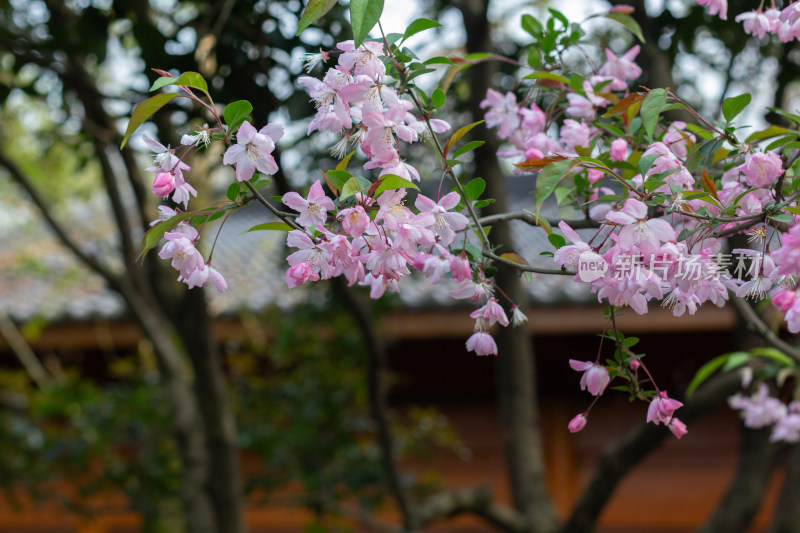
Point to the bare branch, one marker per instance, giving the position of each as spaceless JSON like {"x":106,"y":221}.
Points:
{"x":755,"y":322}
{"x":90,"y":261}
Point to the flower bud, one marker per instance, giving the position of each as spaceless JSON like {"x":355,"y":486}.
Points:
{"x":164,"y":184}
{"x":577,"y":423}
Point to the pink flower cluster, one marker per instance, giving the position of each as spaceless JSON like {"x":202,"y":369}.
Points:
{"x":379,"y":251}
{"x":762,"y":410}
{"x":252,"y":151}
{"x":785,"y":23}
{"x":353,"y":100}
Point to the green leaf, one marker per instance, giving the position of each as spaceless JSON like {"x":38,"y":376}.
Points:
{"x":233,"y":191}
{"x":188,"y":79}
{"x":644,"y":163}
{"x":734,"y":105}
{"x":705,"y":371}
{"x":390,"y":182}
{"x":736,"y":360}
{"x":548,"y":179}
{"x":144,"y":111}
{"x":468,"y":148}
{"x":775,"y":355}
{"x":338,"y":178}
{"x":771,"y":131}
{"x":237,"y":112}
{"x":557,"y":240}
{"x":541,"y":221}
{"x":547,"y":76}
{"x":162,"y":81}
{"x":460,"y":132}
{"x":629,"y":23}
{"x":350,"y":188}
{"x":474,"y":188}
{"x":273,"y":226}
{"x":782,"y":217}
{"x":531,"y":25}
{"x":418,"y":26}
{"x":315,"y":10}
{"x":364,"y":14}
{"x":342,"y":165}
{"x":154,"y":234}
{"x":438,"y":98}
{"x":651,"y":107}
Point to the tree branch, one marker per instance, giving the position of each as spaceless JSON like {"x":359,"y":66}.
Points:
{"x":90,"y":261}
{"x":757,"y":460}
{"x":631,"y":448}
{"x":755,"y":322}
{"x":377,"y":402}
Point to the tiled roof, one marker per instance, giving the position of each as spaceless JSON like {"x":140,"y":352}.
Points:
{"x":39,"y":278}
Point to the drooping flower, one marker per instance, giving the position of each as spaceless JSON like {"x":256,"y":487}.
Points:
{"x":661,"y":409}
{"x":677,"y":428}
{"x":482,"y":344}
{"x":577,"y":423}
{"x":715,"y":7}
{"x":595,"y":377}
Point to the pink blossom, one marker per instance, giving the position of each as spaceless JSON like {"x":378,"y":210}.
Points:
{"x":490,"y":314}
{"x":618,"y":149}
{"x":577,"y":423}
{"x":595,"y":377}
{"x":756,"y":23}
{"x":459,"y":267}
{"x":299,"y":274}
{"x":784,"y":300}
{"x":253,"y":150}
{"x":164,"y":184}
{"x":677,"y":428}
{"x":180,"y":247}
{"x":716,"y":7}
{"x":787,"y":428}
{"x":638,"y":230}
{"x":574,"y":134}
{"x":446,"y":223}
{"x":482,"y":344}
{"x":787,"y":257}
{"x":364,"y":61}
{"x":620,"y":69}
{"x":314,"y":209}
{"x":333,"y":112}
{"x":354,"y":220}
{"x":661,"y":409}
{"x":207,"y":275}
{"x":760,"y":409}
{"x":762,"y":169}
{"x":677,"y":139}
{"x":502,"y":112}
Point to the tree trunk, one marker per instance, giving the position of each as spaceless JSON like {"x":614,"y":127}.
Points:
{"x":516,"y":379}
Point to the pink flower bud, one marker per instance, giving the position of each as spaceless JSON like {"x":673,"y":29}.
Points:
{"x":635,"y":364}
{"x":784,"y":300}
{"x":577,"y":423}
{"x":618,"y":149}
{"x":164,"y":184}
{"x":299,"y":274}
{"x":677,"y":428}
{"x":459,"y":266}
{"x":595,"y":175}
